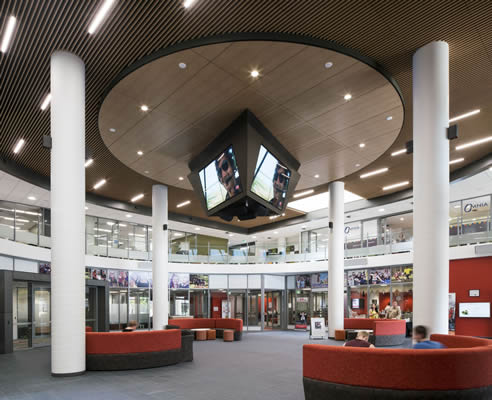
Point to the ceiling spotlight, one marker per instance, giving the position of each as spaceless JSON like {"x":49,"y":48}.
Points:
{"x":128,"y":215}
{"x":398,"y":152}
{"x":140,"y":153}
{"x":100,"y":16}
{"x":306,"y":192}
{"x":137,"y":197}
{"x":99,"y":184}
{"x":362,"y":145}
{"x":146,"y":172}
{"x":389,"y":118}
{"x":112,"y":130}
{"x":357,"y":165}
{"x":8,"y":33}
{"x":231,"y":234}
{"x":182,"y":65}
{"x":468,"y":114}
{"x":180,"y":178}
{"x":304,"y":227}
{"x":316,"y":176}
{"x":402,"y":219}
{"x":328,"y":64}
{"x":376,"y":172}
{"x":381,"y":210}
{"x":188,"y":3}
{"x":19,"y":145}
{"x":458,"y":160}
{"x":474,"y":143}
{"x":347,"y":97}
{"x":144,"y":107}
{"x":197,"y":228}
{"x":184,"y":203}
{"x":46,"y":102}
{"x":86,"y":208}
{"x":32,"y":198}
{"x":255,"y":73}
{"x":88,"y":162}
{"x":253,"y":237}
{"x":283,"y":214}
{"x":275,"y":232}
{"x":396,"y":185}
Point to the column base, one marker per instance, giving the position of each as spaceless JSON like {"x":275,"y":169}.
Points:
{"x":67,"y":375}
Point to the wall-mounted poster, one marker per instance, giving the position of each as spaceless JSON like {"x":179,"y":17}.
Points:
{"x":303,"y":281}
{"x":379,"y":276}
{"x":319,"y":280}
{"x":117,"y":278}
{"x":98,"y":274}
{"x":402,"y":274}
{"x":45,"y":268}
{"x":179,"y":281}
{"x":140,"y":279}
{"x":198,"y":281}
{"x":452,"y":311}
{"x":87,"y":273}
{"x":357,"y":277}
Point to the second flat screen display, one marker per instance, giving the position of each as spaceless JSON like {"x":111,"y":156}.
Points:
{"x":271,"y":179}
{"x":220,"y":179}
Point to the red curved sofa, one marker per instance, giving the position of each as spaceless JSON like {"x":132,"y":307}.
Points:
{"x":462,"y":371}
{"x":219,"y":324}
{"x":387,"y":332}
{"x":135,"y":350}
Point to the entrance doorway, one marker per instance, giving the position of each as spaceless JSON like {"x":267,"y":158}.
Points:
{"x":139,"y":308}
{"x":273,"y":310}
{"x":118,"y":309}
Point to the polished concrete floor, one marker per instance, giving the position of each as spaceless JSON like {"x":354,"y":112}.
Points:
{"x":264,"y":365}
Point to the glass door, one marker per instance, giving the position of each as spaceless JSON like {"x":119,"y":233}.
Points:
{"x":237,"y":299}
{"x":199,"y":303}
{"x":22,"y":310}
{"x":118,"y":309}
{"x":41,"y":316}
{"x":139,"y":308}
{"x":272,"y":309}
{"x":254,"y":310}
{"x":91,"y":307}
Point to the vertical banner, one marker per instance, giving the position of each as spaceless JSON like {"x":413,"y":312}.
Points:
{"x":452,"y":312}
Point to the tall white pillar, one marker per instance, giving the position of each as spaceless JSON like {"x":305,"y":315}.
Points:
{"x":431,"y":186}
{"x":67,"y":214}
{"x":335,"y":258}
{"x":160,"y":244}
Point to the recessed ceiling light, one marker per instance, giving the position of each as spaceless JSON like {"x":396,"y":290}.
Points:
{"x":128,"y":215}
{"x":188,"y":3}
{"x":231,"y":234}
{"x":140,"y":153}
{"x":402,"y":219}
{"x":184,"y":203}
{"x":468,"y":114}
{"x":112,"y":130}
{"x":376,"y":172}
{"x":275,"y":232}
{"x":305,"y":193}
{"x":99,"y":184}
{"x":381,"y":210}
{"x":86,"y":208}
{"x":88,"y":162}
{"x":348,"y":96}
{"x":146,"y":172}
{"x":389,"y":118}
{"x":474,"y":143}
{"x":316,"y":176}
{"x":362,"y":145}
{"x":197,"y":228}
{"x":357,"y":165}
{"x":19,"y":145}
{"x":100,"y":16}
{"x":398,"y":152}
{"x":304,"y":227}
{"x":328,"y":64}
{"x":180,"y":178}
{"x":32,"y":198}
{"x":46,"y":102}
{"x":396,"y":185}
{"x":254,"y":73}
{"x":283,"y":214}
{"x":8,"y":33}
{"x":458,"y":160}
{"x":182,"y":65}
{"x":144,"y":107}
{"x":137,"y":197}
{"x":253,"y":237}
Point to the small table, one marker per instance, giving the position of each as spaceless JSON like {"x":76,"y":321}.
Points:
{"x":200,"y":333}
{"x":228,"y":335}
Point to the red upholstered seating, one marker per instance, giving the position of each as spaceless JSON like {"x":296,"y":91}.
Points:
{"x":466,"y":364}
{"x":211,"y":323}
{"x":387,"y":332}
{"x":132,"y":342}
{"x":88,"y":329}
{"x":236,"y":324}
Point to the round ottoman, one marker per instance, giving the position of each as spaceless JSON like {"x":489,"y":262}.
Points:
{"x":228,"y":335}
{"x":201,"y":335}
{"x":211,"y":335}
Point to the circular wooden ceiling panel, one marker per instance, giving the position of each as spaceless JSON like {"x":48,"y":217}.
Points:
{"x":299,"y":95}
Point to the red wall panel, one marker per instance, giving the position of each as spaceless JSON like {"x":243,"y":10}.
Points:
{"x":472,"y":273}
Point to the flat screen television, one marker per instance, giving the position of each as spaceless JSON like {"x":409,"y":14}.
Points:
{"x":355,"y":303}
{"x":220,"y":179}
{"x":271,"y":179}
{"x":474,"y":310}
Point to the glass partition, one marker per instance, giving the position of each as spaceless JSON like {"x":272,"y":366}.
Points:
{"x":7,"y":218}
{"x":27,"y":224}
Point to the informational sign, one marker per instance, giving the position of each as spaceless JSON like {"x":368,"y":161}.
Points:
{"x":226,"y":309}
{"x":475,"y":310}
{"x":318,"y":329}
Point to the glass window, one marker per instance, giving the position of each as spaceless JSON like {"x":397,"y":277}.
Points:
{"x":199,"y":303}
{"x":254,"y":310}
{"x":7,"y":216}
{"x":370,"y":233}
{"x":180,"y":303}
{"x":353,"y":235}
{"x":475,"y":220}
{"x":27,"y":224}
{"x":402,"y":293}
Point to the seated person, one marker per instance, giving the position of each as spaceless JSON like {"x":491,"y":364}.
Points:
{"x":362,"y":340}
{"x":373,"y":314}
{"x":420,"y":335}
{"x":132,"y":327}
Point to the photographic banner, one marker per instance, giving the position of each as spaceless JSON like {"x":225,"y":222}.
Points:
{"x":318,"y":329}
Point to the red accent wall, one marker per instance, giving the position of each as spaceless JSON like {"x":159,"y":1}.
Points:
{"x":216,"y":301}
{"x":472,"y":273}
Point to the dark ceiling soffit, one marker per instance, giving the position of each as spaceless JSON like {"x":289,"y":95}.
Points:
{"x":252,"y":36}
{"x":456,"y":176}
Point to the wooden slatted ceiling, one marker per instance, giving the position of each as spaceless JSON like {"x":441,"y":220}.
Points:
{"x":389,"y":32}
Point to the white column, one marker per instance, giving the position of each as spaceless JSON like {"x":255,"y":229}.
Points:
{"x":431,"y":186}
{"x":335,"y":258}
{"x":67,"y":214}
{"x":160,"y":237}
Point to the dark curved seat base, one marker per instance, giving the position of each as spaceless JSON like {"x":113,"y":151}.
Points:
{"x":321,"y":390}
{"x":389,"y":340}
